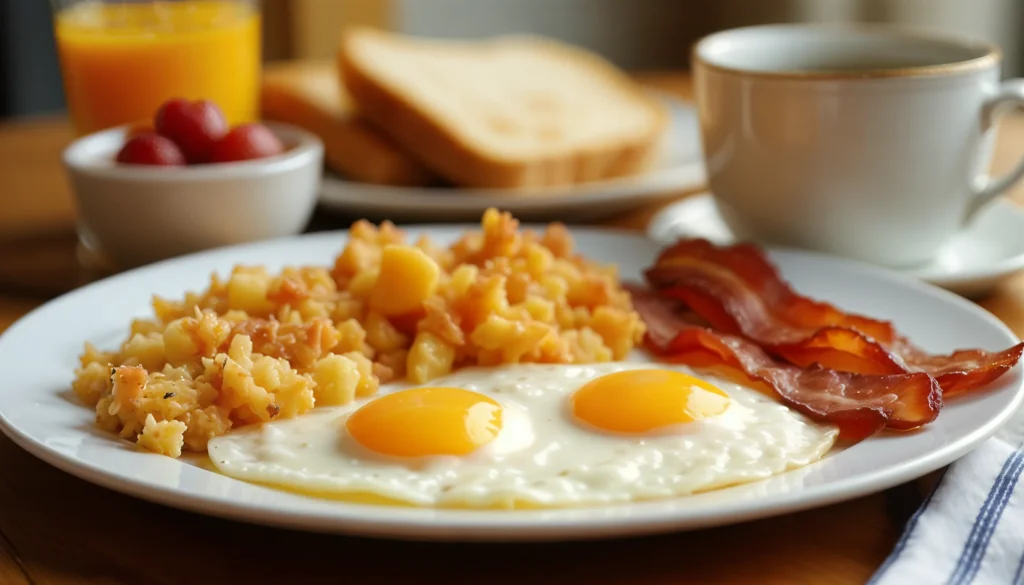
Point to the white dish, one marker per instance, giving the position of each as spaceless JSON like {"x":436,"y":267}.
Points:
{"x":678,"y":168}
{"x":989,"y":250}
{"x":136,"y":214}
{"x":40,"y":413}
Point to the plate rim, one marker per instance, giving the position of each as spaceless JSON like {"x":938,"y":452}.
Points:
{"x":653,"y":185}
{"x":588,"y":523}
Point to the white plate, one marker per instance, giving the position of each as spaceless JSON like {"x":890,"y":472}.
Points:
{"x":989,"y":249}
{"x":39,"y":412}
{"x":678,"y":168}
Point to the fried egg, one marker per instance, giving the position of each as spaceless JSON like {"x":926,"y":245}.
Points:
{"x":531,"y":436}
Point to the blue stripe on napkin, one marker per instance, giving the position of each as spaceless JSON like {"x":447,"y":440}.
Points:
{"x":911,"y":524}
{"x":1018,"y":577}
{"x":987,"y":520}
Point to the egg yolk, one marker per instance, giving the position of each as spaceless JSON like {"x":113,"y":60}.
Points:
{"x":636,"y":401}
{"x":426,"y":421}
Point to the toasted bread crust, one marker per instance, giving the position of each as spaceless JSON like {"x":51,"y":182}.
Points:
{"x":461,"y":162}
{"x":352,"y":147}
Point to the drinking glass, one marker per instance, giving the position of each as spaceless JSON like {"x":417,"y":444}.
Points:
{"x":121,"y":59}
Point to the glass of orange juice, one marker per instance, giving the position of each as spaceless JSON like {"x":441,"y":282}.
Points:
{"x":121,"y":59}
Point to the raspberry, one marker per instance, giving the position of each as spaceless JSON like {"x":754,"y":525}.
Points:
{"x":149,"y":148}
{"x":194,"y":126}
{"x":246,"y":142}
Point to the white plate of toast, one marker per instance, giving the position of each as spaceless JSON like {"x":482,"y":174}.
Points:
{"x":424,"y":129}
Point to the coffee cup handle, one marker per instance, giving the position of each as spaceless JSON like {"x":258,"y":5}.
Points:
{"x":1008,"y":93}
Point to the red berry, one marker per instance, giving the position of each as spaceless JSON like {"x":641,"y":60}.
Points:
{"x":246,"y":142}
{"x":149,"y":148}
{"x":194,"y":126}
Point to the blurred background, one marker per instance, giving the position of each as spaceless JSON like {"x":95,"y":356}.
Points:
{"x":638,"y":35}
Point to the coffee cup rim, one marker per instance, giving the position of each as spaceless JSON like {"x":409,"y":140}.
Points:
{"x":990,"y":54}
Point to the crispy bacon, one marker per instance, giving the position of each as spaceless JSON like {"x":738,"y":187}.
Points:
{"x":738,"y":291}
{"x":859,"y":405}
{"x":747,"y":262}
{"x":964,"y":369}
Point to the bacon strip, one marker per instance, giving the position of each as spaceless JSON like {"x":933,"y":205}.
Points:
{"x":859,"y":405}
{"x":965,"y":369}
{"x":747,"y":262}
{"x":738,"y":291}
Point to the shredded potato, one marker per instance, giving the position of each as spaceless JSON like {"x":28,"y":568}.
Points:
{"x":255,"y":346}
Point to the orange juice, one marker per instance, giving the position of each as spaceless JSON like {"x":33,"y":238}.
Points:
{"x":120,"y":61}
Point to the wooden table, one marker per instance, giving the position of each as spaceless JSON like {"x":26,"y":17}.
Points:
{"x":55,"y":529}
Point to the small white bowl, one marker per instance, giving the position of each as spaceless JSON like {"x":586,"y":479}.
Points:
{"x":135,"y":214}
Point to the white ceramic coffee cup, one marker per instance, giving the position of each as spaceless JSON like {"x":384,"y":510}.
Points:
{"x":861,"y":140}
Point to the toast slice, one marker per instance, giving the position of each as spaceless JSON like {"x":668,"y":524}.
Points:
{"x":511,"y":112}
{"x":308,"y":94}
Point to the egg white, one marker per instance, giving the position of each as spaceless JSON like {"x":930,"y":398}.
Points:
{"x":542,"y":456}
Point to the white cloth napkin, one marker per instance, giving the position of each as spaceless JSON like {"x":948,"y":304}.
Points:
{"x":970,"y":530}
